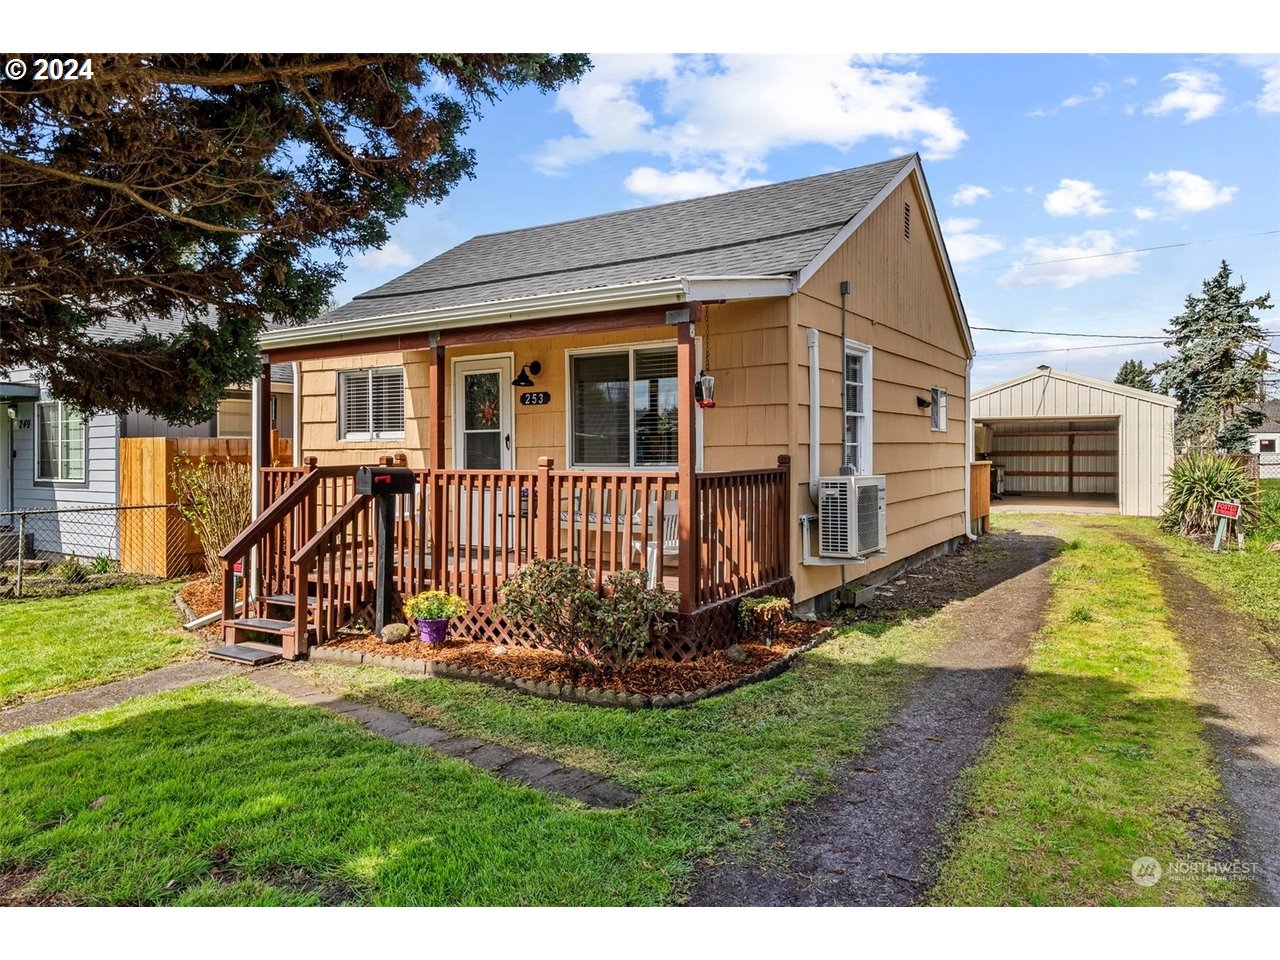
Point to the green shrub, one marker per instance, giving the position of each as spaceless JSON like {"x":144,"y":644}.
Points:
{"x":71,"y":570}
{"x":557,"y":601}
{"x":1196,"y":481}
{"x":760,"y":617}
{"x":103,"y":565}
{"x":1266,"y":528}
{"x":214,"y":497}
{"x":434,"y":605}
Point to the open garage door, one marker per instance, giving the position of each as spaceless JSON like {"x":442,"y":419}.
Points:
{"x":1048,"y":463}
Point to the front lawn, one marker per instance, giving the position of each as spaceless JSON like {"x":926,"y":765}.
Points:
{"x":1100,"y":760}
{"x":225,"y":794}
{"x":65,"y":643}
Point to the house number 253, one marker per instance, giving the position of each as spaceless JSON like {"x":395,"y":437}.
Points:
{"x":535,"y":399}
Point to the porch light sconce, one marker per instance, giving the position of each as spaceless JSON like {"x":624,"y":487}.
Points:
{"x":524,"y":379}
{"x":923,"y":404}
{"x":704,"y":390}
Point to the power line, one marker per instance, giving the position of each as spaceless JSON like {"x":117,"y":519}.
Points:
{"x":1063,"y":333}
{"x":1121,"y":253}
{"x":1095,"y":346}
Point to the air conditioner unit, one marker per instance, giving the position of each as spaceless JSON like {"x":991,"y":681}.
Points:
{"x":850,"y":517}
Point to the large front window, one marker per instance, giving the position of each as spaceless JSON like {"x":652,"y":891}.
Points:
{"x":623,"y":408}
{"x":60,"y":442}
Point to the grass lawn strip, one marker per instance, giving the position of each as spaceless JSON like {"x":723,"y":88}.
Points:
{"x":706,"y":774}
{"x":1099,"y":761}
{"x":66,"y":643}
{"x":228,"y":794}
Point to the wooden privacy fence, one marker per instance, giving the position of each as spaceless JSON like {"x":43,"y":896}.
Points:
{"x":146,"y":467}
{"x":980,"y":495}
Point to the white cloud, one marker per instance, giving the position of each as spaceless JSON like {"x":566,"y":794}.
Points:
{"x":963,"y":244}
{"x":1097,"y":92}
{"x":1144,"y":213}
{"x":1075,"y":197}
{"x":392,"y":255}
{"x":1189,"y":192}
{"x":720,"y":117}
{"x":658,"y":187}
{"x":1268,"y":67}
{"x":968,"y":195}
{"x":1093,"y":255}
{"x":1197,"y":93}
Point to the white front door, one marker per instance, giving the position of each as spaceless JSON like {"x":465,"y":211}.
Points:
{"x":483,"y":440}
{"x":482,"y":415}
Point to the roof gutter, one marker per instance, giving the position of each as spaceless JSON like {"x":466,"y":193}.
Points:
{"x":649,"y":293}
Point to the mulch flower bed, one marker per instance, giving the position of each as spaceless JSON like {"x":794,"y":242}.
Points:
{"x":204,"y":595}
{"x":549,"y":673}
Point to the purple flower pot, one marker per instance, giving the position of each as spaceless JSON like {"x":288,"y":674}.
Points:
{"x":433,"y":631}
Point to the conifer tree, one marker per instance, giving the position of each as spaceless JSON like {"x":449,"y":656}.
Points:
{"x":1136,"y":374}
{"x":1218,"y":364}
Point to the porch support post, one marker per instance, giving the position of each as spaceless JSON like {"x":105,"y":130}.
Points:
{"x":262,"y":428}
{"x":686,"y":459}
{"x":435,"y":462}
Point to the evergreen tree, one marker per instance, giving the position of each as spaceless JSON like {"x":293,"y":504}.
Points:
{"x":224,"y":190}
{"x":1135,"y":373}
{"x":1219,"y":359}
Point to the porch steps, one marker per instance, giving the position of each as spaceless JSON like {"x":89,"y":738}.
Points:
{"x":285,"y":600}
{"x":243,"y":631}
{"x":248,"y":652}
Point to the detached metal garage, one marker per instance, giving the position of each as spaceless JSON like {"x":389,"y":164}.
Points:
{"x":1063,"y":440}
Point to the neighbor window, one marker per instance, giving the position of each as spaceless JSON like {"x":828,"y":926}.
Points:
{"x":60,"y":442}
{"x":857,"y":408}
{"x":938,"y":411}
{"x":371,"y":404}
{"x":623,"y":408}
{"x":1267,"y":446}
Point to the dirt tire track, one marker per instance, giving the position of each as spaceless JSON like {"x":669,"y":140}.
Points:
{"x":876,"y":839}
{"x":1241,"y":711}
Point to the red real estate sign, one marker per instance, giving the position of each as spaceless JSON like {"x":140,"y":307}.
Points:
{"x":1224,"y":508}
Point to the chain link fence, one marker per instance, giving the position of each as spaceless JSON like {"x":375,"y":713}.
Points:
{"x":47,"y":553}
{"x":1269,"y":466}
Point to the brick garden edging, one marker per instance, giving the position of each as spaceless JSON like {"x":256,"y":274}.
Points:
{"x":592,"y":696}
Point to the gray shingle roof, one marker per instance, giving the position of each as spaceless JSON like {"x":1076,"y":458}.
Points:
{"x":1270,"y":417}
{"x":772,"y":230}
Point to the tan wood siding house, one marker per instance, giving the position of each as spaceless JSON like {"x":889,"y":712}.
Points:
{"x":605,"y":324}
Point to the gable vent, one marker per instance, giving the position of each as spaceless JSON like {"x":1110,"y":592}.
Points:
{"x":906,"y":221}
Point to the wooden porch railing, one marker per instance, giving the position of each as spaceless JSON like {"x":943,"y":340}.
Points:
{"x":745,"y":533}
{"x":469,"y":531}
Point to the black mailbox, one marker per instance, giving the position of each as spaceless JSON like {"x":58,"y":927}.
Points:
{"x":384,"y":480}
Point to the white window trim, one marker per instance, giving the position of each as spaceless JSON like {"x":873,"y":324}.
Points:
{"x":342,"y":402}
{"x":505,"y":364}
{"x":865,"y":466}
{"x":630,"y":349}
{"x":84,"y":454}
{"x":938,"y":394}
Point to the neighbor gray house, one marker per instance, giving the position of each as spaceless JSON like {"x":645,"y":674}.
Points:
{"x":52,"y":457}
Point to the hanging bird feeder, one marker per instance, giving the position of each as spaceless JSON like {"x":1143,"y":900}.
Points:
{"x":704,"y":390}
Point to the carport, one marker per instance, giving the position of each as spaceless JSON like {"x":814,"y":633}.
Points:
{"x":1067,"y":443}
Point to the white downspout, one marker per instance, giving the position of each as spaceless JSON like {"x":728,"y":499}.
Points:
{"x":297,"y":414}
{"x":968,"y":450}
{"x":815,"y":415}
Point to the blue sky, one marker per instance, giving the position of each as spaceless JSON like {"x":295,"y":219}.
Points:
{"x":1029,"y":158}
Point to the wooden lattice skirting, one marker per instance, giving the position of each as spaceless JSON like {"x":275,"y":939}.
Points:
{"x":705,"y":630}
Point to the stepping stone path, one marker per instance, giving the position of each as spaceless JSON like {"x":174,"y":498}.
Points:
{"x":68,"y":705}
{"x":528,"y":769}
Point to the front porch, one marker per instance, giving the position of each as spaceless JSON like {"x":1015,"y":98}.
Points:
{"x":310,"y":565}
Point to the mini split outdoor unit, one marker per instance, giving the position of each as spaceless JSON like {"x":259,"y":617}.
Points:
{"x":850,"y":517}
